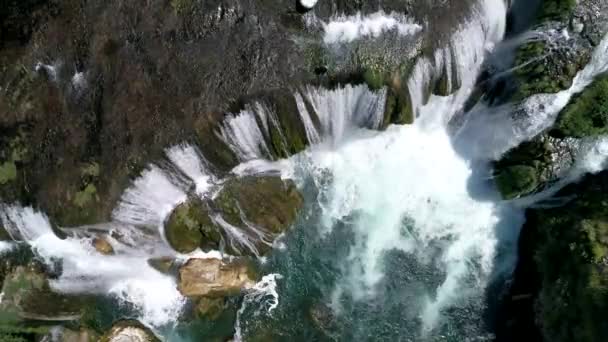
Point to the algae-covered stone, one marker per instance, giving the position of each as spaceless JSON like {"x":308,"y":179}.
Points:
{"x":129,"y":331}
{"x":266,"y":201}
{"x":215,"y":278}
{"x":190,"y":227}
{"x":517,"y":180}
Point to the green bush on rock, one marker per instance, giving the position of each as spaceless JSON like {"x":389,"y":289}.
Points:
{"x":587,"y":114}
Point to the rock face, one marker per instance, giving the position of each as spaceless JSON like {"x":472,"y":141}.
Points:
{"x":215,"y":278}
{"x":190,"y":227}
{"x":129,"y":331}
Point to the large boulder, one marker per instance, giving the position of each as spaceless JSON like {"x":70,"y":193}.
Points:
{"x":256,"y":208}
{"x":267,"y":201}
{"x":129,"y":331}
{"x":215,"y":278}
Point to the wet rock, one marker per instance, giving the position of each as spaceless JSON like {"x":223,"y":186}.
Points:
{"x":129,"y":331}
{"x":103,"y":246}
{"x":266,"y":201}
{"x":215,"y":278}
{"x":164,"y":265}
{"x":190,"y":227}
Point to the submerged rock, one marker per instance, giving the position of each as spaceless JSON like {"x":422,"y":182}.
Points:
{"x":215,"y":278}
{"x":129,"y":331}
{"x":210,"y":308}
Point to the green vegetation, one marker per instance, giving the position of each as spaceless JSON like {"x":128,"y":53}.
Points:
{"x":556,"y":9}
{"x":571,"y":257}
{"x":587,"y":114}
{"x":181,"y":6}
{"x":8,"y":172}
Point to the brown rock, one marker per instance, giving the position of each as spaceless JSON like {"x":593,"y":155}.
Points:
{"x":214,"y":278}
{"x":103,"y":246}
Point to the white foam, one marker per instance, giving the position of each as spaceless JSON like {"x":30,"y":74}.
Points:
{"x":264,"y":294}
{"x":491,"y":133}
{"x":190,"y":161}
{"x":150,"y":199}
{"x":342,"y":109}
{"x":244,"y":136}
{"x":125,"y":275}
{"x":308,"y":3}
{"x":346,"y":29}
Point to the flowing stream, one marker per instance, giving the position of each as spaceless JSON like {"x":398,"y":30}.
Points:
{"x":403,"y":235}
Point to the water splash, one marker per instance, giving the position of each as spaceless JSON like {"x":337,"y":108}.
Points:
{"x":150,"y":199}
{"x":264,"y":295}
{"x":346,"y":29}
{"x":191,"y":162}
{"x":125,"y":275}
{"x":341,"y":110}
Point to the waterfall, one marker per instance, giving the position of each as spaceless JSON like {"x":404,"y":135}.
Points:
{"x":126,"y":275}
{"x":490,"y":132}
{"x":346,"y":29}
{"x":341,"y":110}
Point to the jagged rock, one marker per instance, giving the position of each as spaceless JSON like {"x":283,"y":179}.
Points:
{"x":103,"y":246}
{"x":215,"y":278}
{"x":324,"y":319}
{"x":129,"y":331}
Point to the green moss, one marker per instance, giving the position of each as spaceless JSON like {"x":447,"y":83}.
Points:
{"x":374,"y":78}
{"x":516,"y":180}
{"x":90,"y":170}
{"x":181,"y":6}
{"x":8,"y":172}
{"x":190,"y":227}
{"x":85,"y":197}
{"x":571,"y":259}
{"x":587,"y":114}
{"x":268,"y":202}
{"x":556,"y":9}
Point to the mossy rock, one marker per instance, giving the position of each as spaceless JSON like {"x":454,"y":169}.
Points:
{"x":266,"y":201}
{"x":542,"y":70}
{"x":27,"y":296}
{"x":210,"y":308}
{"x":190,"y":227}
{"x":517,"y":180}
{"x":587,"y":114}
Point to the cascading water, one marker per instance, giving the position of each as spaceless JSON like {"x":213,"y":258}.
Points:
{"x":402,"y":234}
